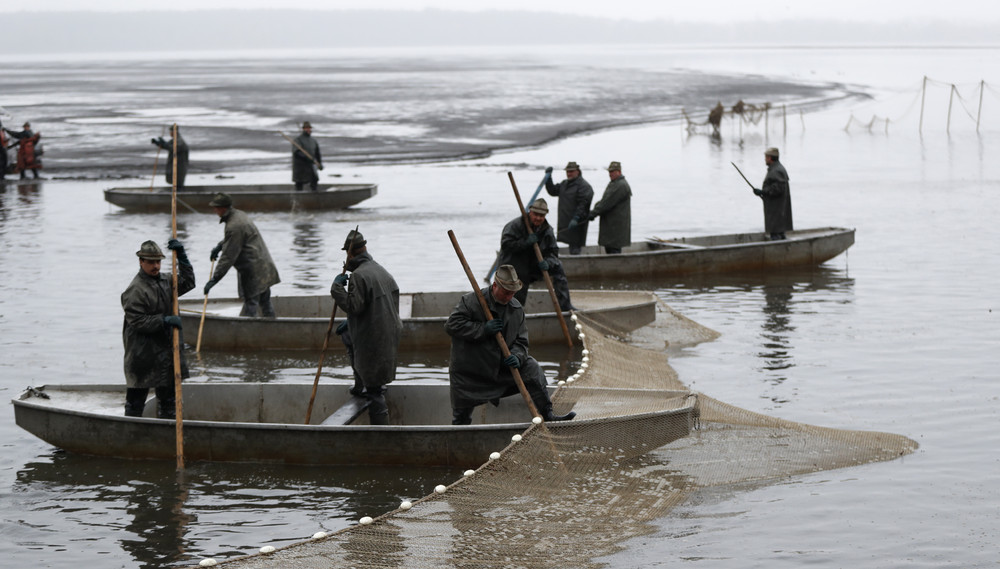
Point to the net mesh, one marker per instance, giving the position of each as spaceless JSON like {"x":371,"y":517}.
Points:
{"x":567,"y":495}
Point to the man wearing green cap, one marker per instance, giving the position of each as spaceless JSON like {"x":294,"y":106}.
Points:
{"x":242,"y":247}
{"x":575,"y":195}
{"x":517,"y":248}
{"x":777,"y":197}
{"x":147,"y":330}
{"x":370,"y":297}
{"x":615,"y":211}
{"x":479,"y":372}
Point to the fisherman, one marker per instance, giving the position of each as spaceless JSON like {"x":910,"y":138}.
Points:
{"x":776,"y":196}
{"x":3,"y":152}
{"x":615,"y":211}
{"x":243,"y":247}
{"x":715,"y":118}
{"x":575,"y":195}
{"x":517,"y":249}
{"x":306,"y":159}
{"x":182,"y":157}
{"x":29,"y":150}
{"x":148,"y":329}
{"x":370,"y":297}
{"x":479,"y":372}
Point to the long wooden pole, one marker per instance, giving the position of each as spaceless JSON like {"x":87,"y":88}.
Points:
{"x":178,"y":394}
{"x":538,"y":255}
{"x":489,"y":316}
{"x":302,"y":150}
{"x":204,"y":310}
{"x":538,"y":190}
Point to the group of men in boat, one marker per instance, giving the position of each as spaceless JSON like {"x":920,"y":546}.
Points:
{"x":480,"y":371}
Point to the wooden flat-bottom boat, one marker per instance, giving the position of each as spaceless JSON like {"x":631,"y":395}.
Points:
{"x":247,"y":197}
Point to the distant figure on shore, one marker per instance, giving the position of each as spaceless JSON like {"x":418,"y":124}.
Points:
{"x":182,"y":158}
{"x":243,"y":247}
{"x":478,"y":372}
{"x":370,"y":298}
{"x":306,"y":160}
{"x":715,"y":117}
{"x":575,"y":195}
{"x":776,"y":196}
{"x":29,"y":150}
{"x":615,"y":211}
{"x":148,"y":330}
{"x":517,"y":248}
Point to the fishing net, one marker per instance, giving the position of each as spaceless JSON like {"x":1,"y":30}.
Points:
{"x":568,"y":494}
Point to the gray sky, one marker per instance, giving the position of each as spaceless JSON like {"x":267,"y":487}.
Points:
{"x":872,"y":11}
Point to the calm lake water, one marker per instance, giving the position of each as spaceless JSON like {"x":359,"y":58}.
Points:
{"x":899,"y":335}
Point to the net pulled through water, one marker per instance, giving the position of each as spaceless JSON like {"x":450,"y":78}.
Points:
{"x":566,"y":494}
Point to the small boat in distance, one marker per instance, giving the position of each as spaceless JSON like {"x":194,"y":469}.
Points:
{"x":655,"y":257}
{"x":263,"y":422}
{"x":302,"y":321}
{"x":247,"y":197}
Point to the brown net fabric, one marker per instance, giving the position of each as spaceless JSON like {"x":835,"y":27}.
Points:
{"x":569,"y":493}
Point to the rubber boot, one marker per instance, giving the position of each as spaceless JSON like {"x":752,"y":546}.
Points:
{"x":461,"y":416}
{"x":378,"y":409}
{"x":548,"y":416}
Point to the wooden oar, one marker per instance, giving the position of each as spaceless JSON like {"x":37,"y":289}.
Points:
{"x":742,"y":176}
{"x":326,"y":342}
{"x":489,"y":316}
{"x":302,"y":150}
{"x":152,"y":181}
{"x":204,"y":310}
{"x":178,"y":394}
{"x":538,"y":255}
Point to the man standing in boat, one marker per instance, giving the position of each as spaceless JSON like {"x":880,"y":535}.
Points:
{"x":370,"y":297}
{"x":479,"y":372}
{"x":776,"y":196}
{"x":29,"y":150}
{"x":575,"y":195}
{"x":242,"y":247}
{"x":182,"y":158}
{"x":615,"y":211}
{"x":148,"y":329}
{"x":517,"y":249}
{"x":306,"y":159}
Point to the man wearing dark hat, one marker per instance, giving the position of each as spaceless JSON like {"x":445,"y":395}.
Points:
{"x":370,"y":298}
{"x":615,"y":211}
{"x":243,"y":247}
{"x":575,"y":195}
{"x":479,"y":372}
{"x":517,"y":249}
{"x":306,"y":159}
{"x":776,"y":196}
{"x":182,"y":157}
{"x":148,"y":329}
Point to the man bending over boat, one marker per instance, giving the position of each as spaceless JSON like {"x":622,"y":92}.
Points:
{"x":517,"y":248}
{"x":479,"y":372}
{"x":148,"y":330}
{"x":370,"y":297}
{"x":243,"y":247}
{"x":777,"y":197}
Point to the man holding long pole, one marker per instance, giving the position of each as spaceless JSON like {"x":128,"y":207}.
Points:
{"x":480,"y":371}
{"x":306,"y":159}
{"x":517,"y":248}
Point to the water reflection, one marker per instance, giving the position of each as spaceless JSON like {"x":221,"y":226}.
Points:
{"x":21,"y":198}
{"x":307,"y":250}
{"x":162,"y":519}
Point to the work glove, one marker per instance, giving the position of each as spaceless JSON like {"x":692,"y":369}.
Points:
{"x":592,"y":216}
{"x":758,"y":192}
{"x":215,"y":252}
{"x":543,"y":265}
{"x":531,"y":239}
{"x":512,"y":361}
{"x":342,"y":327}
{"x":209,"y":285}
{"x":573,"y":222}
{"x":320,"y":166}
{"x":494,"y":326}
{"x":175,"y":245}
{"x":548,"y":170}
{"x":172,"y":320}
{"x":153,"y":140}
{"x":342,"y":279}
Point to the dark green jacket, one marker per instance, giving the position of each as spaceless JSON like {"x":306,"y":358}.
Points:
{"x":303,"y":168}
{"x":777,"y":198}
{"x":575,"y":196}
{"x":516,"y":251}
{"x":244,"y":248}
{"x":615,"y":211}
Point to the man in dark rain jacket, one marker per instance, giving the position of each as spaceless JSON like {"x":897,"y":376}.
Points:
{"x":370,"y":298}
{"x":182,"y":158}
{"x":306,"y":159}
{"x":517,"y":249}
{"x":148,"y":330}
{"x":776,"y":196}
{"x":575,"y":195}
{"x":243,"y":247}
{"x":479,"y":372}
{"x":615,"y":211}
